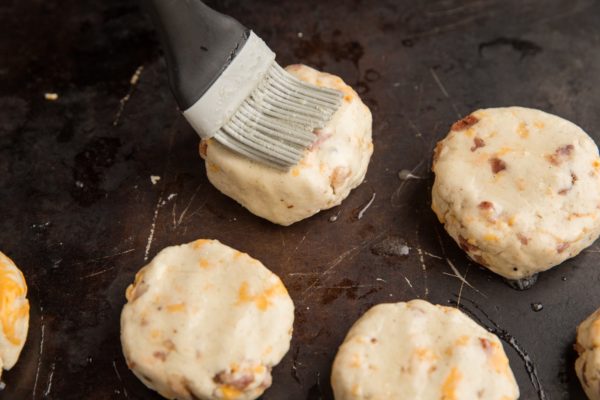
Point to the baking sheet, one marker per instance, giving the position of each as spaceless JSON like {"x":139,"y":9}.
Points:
{"x":80,"y":214}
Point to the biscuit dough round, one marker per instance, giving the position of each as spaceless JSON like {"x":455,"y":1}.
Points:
{"x":587,"y":365}
{"x":204,"y":321}
{"x":420,"y":351}
{"x":14,"y":313}
{"x":518,"y":189}
{"x":336,"y":163}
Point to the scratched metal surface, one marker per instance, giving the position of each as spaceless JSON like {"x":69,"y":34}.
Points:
{"x":79,"y":213}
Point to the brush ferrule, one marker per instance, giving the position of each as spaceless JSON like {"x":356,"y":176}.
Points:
{"x":220,"y":102}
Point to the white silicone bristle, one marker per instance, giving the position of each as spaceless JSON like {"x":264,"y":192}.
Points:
{"x":275,"y":124}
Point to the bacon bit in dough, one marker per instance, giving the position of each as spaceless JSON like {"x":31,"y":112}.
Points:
{"x":160,"y":355}
{"x":497,"y":165}
{"x":522,"y":130}
{"x":496,"y":358}
{"x":213,"y":167}
{"x":523,"y":239}
{"x":203,"y":148}
{"x":479,"y":259}
{"x":466,"y":245}
{"x":233,"y":381}
{"x":322,"y":135}
{"x":450,"y":384}
{"x":561,"y":154}
{"x":562,"y":247}
{"x":464,"y":123}
{"x":486,"y":205}
{"x":477,"y":143}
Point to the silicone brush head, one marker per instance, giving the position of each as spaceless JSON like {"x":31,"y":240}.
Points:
{"x":275,"y":124}
{"x":227,"y":83}
{"x":259,"y":110}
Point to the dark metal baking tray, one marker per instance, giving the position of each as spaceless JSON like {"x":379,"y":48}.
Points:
{"x":79,"y":212}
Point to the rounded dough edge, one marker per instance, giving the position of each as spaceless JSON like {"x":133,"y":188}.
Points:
{"x":321,"y":180}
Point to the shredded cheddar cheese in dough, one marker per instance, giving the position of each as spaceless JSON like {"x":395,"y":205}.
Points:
{"x":230,"y":393}
{"x":262,"y":300}
{"x":12,"y":287}
{"x":450,"y":384}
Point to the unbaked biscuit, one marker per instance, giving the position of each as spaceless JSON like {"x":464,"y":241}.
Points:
{"x":587,"y":365}
{"x":204,"y":321}
{"x":518,"y":189}
{"x":334,"y":165}
{"x":14,"y":313}
{"x":420,"y":351}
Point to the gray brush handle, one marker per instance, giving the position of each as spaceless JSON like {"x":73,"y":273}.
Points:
{"x":199,"y":44}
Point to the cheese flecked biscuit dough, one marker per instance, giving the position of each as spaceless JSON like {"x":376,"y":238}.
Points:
{"x":419,"y":351}
{"x":518,"y":189}
{"x":335,"y":164}
{"x":587,"y":365}
{"x":14,"y":313}
{"x":205,"y":321}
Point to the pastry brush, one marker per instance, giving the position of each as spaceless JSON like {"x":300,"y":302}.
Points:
{"x":226,"y":81}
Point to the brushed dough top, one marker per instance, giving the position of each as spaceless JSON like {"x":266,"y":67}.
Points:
{"x":420,"y":351}
{"x":206,"y":321}
{"x":587,"y":365}
{"x":14,"y":312}
{"x":336,"y":163}
{"x":518,"y":189}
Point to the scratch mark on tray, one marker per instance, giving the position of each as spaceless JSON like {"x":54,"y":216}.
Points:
{"x":348,"y":254}
{"x":93,"y":274}
{"x":445,"y":28}
{"x":347,"y":286}
{"x":293,"y":252}
{"x":460,"y":9}
{"x":511,"y":341}
{"x":437,"y":80}
{"x":114,"y":363}
{"x":93,"y":260}
{"x":133,"y":81}
{"x":50,"y":378}
{"x":361,"y":213}
{"x":462,"y":278}
{"x":572,"y":11}
{"x":396,"y":196}
{"x":432,"y":255}
{"x":424,"y":269}
{"x":185,"y":210}
{"x":152,"y":227}
{"x":41,"y":352}
{"x":172,"y":131}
